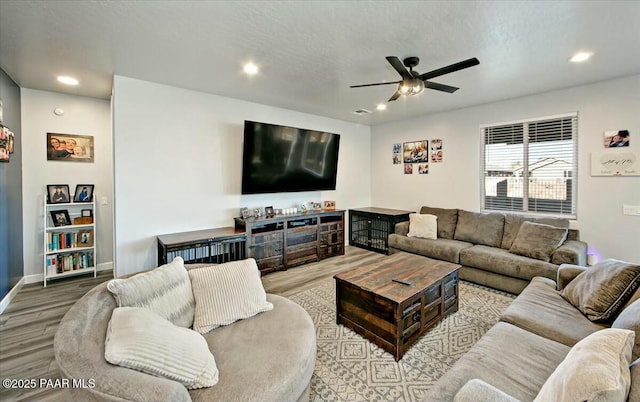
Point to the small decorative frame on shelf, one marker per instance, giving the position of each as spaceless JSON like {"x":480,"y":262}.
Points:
{"x":83,"y":193}
{"x":268,"y":211}
{"x":60,"y":217}
{"x":85,"y":238}
{"x":57,"y":193}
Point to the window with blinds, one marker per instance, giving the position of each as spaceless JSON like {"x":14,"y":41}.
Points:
{"x":530,"y":166}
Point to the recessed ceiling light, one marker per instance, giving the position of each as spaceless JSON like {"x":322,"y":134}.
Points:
{"x":580,"y":57}
{"x":381,"y":106}
{"x":67,"y":80}
{"x":250,"y":68}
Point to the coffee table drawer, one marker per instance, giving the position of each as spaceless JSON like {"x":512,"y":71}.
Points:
{"x":432,"y":294}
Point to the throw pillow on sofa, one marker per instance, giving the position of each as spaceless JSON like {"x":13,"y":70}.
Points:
{"x":227,"y":293}
{"x":139,"y":339}
{"x":424,"y":226}
{"x":477,"y":228}
{"x":602,"y":290}
{"x":595,"y":369}
{"x":629,"y":318}
{"x":538,"y":241}
{"x":165,"y":290}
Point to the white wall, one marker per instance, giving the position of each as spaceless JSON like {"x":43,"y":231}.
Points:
{"x":85,"y":116}
{"x":178,"y":162}
{"x":455,"y":183}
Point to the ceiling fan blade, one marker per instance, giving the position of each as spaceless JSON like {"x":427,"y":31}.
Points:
{"x":399,"y":67}
{"x":371,"y":85}
{"x":394,"y":96}
{"x":449,"y":69}
{"x":440,"y":87}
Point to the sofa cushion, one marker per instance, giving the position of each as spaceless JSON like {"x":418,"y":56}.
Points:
{"x":538,"y":241}
{"x":479,"y":391}
{"x":424,"y":226}
{"x":540,"y":309}
{"x":512,"y":223}
{"x":602,"y":290}
{"x":480,"y":228}
{"x":595,"y":369}
{"x":634,"y":392}
{"x":226,"y":293}
{"x":165,"y":290}
{"x":280,"y":342}
{"x":629,"y":319}
{"x":515,"y":361}
{"x":447,"y":220}
{"x":441,"y":249}
{"x":139,"y":339}
{"x":503,"y":262}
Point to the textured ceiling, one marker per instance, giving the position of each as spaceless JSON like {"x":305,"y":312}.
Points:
{"x":310,"y":52}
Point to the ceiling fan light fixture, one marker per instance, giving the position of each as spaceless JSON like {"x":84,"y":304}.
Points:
{"x":411,"y":87}
{"x":381,"y":106}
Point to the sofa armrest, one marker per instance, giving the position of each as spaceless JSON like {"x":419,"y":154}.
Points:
{"x":479,"y":391}
{"x":402,"y":228}
{"x":566,"y":273}
{"x":571,"y":252}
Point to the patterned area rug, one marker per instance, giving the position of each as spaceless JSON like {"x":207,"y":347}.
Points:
{"x":350,"y":368}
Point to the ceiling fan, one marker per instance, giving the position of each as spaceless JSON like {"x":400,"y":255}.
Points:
{"x":413,"y":82}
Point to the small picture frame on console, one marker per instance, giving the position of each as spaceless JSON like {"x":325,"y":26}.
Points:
{"x":244,"y":212}
{"x":330,"y":205}
{"x":268,"y":211}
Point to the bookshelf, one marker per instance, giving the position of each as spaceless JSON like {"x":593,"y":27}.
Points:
{"x":69,"y":242}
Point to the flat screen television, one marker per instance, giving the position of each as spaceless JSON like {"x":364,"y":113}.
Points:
{"x":279,"y":159}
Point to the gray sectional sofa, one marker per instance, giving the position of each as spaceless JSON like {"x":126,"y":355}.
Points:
{"x":512,"y":361}
{"x":480,"y":242}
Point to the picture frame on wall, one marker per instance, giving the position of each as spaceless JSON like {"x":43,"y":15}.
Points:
{"x":83,"y":193}
{"x":57,"y":193}
{"x":60,"y":217}
{"x":70,"y":147}
{"x":415,"y":151}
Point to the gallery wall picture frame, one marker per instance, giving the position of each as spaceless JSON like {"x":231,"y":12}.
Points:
{"x":58,"y":194}
{"x":617,"y":138}
{"x":70,"y":148}
{"x":415,"y":151}
{"x":60,"y":217}
{"x":615,"y":163}
{"x":83,"y":193}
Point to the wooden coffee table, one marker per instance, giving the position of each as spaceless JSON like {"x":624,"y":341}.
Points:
{"x":391,"y":314}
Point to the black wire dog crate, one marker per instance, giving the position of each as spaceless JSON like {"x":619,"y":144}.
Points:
{"x":370,"y":227}
{"x":203,"y":246}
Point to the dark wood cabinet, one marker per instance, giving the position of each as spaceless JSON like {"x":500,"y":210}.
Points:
{"x":202,"y":246}
{"x":285,"y":241}
{"x":370,"y":227}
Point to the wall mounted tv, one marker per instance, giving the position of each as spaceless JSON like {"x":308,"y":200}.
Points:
{"x":287,"y":159}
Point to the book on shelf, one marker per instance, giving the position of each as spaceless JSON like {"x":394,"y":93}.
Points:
{"x":60,"y":263}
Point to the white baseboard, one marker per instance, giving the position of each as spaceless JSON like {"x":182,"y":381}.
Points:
{"x":12,"y":293}
{"x":105,"y":266}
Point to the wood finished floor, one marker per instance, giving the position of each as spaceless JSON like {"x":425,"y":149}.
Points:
{"x":29,"y":323}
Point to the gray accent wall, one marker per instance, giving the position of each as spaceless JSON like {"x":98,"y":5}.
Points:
{"x":11,"y":259}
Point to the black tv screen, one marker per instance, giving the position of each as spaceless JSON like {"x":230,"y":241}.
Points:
{"x":287,"y":159}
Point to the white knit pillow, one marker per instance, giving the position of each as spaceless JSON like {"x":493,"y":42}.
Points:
{"x":226,"y":293}
{"x":595,"y":369}
{"x":424,"y":226}
{"x":165,"y":290}
{"x":139,"y":339}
